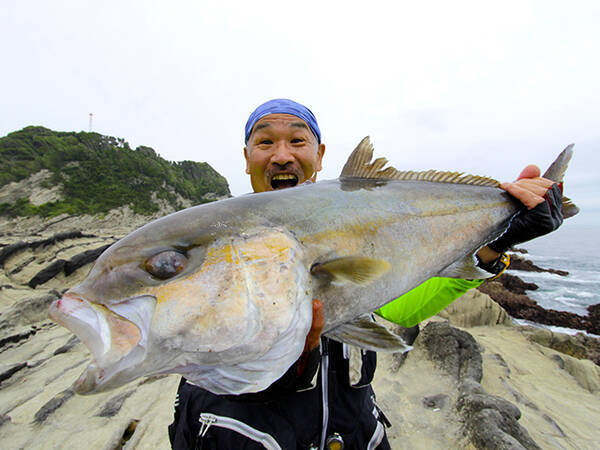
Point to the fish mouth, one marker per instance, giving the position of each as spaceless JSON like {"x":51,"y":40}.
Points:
{"x":284,"y":180}
{"x":116,"y":335}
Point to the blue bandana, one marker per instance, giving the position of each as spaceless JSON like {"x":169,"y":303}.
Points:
{"x":283,"y":106}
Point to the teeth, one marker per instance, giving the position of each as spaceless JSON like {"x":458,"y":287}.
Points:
{"x":285,"y":176}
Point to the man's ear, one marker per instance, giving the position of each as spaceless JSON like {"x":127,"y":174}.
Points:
{"x":246,"y":156}
{"x":320,"y":153}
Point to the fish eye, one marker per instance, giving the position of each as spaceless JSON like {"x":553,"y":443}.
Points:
{"x":166,"y":264}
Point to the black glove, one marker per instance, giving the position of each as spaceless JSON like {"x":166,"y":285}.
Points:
{"x":528,"y":224}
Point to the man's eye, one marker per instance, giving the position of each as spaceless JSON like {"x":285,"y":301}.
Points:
{"x":266,"y":141}
{"x":166,"y":264}
{"x":297,"y":141}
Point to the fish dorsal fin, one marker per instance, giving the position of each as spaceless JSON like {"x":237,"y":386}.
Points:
{"x":365,"y":333}
{"x":358,"y":270}
{"x":359,"y":165}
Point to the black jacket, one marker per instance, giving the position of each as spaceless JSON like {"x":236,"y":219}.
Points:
{"x":288,"y":415}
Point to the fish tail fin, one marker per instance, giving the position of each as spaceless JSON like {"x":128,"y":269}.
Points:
{"x":556,"y":172}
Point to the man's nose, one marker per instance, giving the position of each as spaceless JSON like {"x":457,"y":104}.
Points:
{"x":282,"y":154}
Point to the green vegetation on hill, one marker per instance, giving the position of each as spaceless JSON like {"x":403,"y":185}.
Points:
{"x":98,"y":173}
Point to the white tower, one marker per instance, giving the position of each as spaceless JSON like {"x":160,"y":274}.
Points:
{"x":90,"y":127}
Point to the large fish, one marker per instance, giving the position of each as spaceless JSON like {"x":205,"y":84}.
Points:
{"x":222,"y":292}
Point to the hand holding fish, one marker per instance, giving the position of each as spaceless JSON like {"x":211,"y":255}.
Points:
{"x":542,"y":198}
{"x":530,"y":188}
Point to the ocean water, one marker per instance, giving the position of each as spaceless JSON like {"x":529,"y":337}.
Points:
{"x":576,"y":249}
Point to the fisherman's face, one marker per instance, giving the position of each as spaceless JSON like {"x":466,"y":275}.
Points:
{"x":282,"y":152}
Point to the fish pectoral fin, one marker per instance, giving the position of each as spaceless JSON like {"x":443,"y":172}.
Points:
{"x":358,"y":270}
{"x":466,"y":269}
{"x":364,"y":332}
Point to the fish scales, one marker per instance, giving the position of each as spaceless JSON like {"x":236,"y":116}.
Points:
{"x":222,"y":292}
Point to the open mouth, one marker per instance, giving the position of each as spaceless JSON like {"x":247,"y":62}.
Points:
{"x":284,"y":180}
{"x":117,"y":337}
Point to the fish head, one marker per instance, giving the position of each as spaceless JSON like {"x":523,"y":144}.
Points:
{"x":214,"y":309}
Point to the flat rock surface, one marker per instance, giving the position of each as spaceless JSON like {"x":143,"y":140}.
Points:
{"x":556,"y":394}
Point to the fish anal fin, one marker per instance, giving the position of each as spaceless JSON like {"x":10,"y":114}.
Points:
{"x":358,"y":270}
{"x":365,"y":333}
{"x":464,"y":268}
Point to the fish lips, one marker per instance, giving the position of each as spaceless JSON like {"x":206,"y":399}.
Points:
{"x":117,"y":336}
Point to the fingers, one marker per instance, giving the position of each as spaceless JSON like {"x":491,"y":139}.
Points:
{"x":531,"y":171}
{"x":529,"y":188}
{"x":527,"y":197}
{"x":318,"y":321}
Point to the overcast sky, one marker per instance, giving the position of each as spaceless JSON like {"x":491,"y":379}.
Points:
{"x":476,"y":86}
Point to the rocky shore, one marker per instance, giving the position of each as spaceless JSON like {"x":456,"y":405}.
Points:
{"x":473,"y":379}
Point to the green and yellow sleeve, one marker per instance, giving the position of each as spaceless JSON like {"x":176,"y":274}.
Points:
{"x":425,"y":300}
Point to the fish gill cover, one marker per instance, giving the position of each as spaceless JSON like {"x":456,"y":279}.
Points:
{"x":95,"y":173}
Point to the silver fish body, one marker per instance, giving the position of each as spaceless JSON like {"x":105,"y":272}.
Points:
{"x":235,"y":314}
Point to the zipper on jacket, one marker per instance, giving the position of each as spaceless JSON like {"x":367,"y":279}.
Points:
{"x":207,"y":420}
{"x":325,"y":391}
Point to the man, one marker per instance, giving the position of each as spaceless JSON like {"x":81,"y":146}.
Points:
{"x":325,"y":399}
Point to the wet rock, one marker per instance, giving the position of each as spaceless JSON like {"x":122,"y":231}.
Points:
{"x":28,"y":311}
{"x":72,"y":342}
{"x":21,"y":266}
{"x":408,"y":335}
{"x":153,"y":378}
{"x":455,"y":351}
{"x":83,"y":258}
{"x":6,"y":373}
{"x":52,"y":405}
{"x":498,"y":359}
{"x":593,"y":319}
{"x":17,"y":337}
{"x":523,"y":251}
{"x":128,"y":433}
{"x":472,"y":403}
{"x":519,"y":398}
{"x":552,"y":422}
{"x":435,"y":402}
{"x":516,"y":285}
{"x":114,"y":405}
{"x":559,"y":361}
{"x":66,"y":266}
{"x":522,"y":307}
{"x":9,"y":250}
{"x":518,"y":263}
{"x":491,"y":422}
{"x":47,"y":273}
{"x":489,"y":429}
